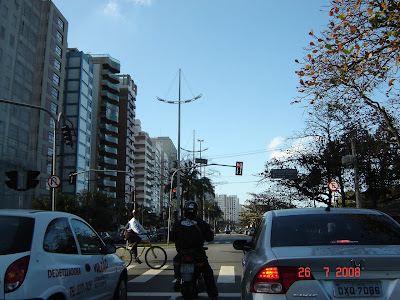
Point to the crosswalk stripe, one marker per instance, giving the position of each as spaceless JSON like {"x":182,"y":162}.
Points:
{"x":226,"y":274}
{"x":130,"y":267}
{"x":148,"y":275}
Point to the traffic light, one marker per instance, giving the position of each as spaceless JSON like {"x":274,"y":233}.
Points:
{"x":67,"y":135}
{"x":12,"y":183}
{"x":174,"y":193}
{"x":72,"y":178}
{"x":31,"y":181}
{"x":239,"y":168}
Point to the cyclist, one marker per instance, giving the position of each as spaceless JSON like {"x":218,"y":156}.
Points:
{"x":133,"y":229}
{"x":190,"y":233}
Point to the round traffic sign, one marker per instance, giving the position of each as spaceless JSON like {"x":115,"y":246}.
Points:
{"x":333,"y":185}
{"x":54,"y":181}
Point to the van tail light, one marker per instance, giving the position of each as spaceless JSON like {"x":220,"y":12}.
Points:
{"x":188,"y":259}
{"x":276,"y":280}
{"x":15,"y":274}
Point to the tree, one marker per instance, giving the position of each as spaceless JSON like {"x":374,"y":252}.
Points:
{"x":356,"y":59}
{"x":193,"y":187}
{"x":256,"y":207}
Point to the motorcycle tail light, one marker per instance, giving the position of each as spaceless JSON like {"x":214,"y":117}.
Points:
{"x":15,"y":274}
{"x":276,"y":280}
{"x":187,"y":259}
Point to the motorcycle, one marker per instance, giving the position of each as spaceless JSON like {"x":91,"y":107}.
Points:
{"x":190,"y":281}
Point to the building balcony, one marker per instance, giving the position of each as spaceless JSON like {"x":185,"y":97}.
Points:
{"x":108,"y":127}
{"x":111,"y":76}
{"x":107,"y":160}
{"x":110,"y":86}
{"x":108,"y":149}
{"x":109,"y":95}
{"x":109,"y":106}
{"x":110,"y":173}
{"x":109,"y":62}
{"x":108,"y":138}
{"x":113,"y":117}
{"x":107,"y":183}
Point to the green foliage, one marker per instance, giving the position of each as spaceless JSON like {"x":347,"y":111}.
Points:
{"x":355,"y":60}
{"x":98,"y":209}
{"x":256,"y":207}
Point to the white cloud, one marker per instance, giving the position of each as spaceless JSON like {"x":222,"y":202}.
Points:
{"x":116,"y":8}
{"x":298,"y":145}
{"x":276,"y":141}
{"x":112,"y":9}
{"x":141,"y":2}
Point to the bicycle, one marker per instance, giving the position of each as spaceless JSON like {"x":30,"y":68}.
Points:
{"x":155,"y":256}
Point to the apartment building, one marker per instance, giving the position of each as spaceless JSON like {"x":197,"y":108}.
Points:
{"x":78,"y":102}
{"x":126,"y":138}
{"x":33,"y":43}
{"x":144,"y":167}
{"x":105,"y":124}
{"x":229,"y":205}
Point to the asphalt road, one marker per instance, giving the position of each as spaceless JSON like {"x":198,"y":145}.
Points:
{"x":145,"y":284}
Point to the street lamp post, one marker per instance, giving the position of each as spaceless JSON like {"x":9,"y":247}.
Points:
{"x":178,"y":179}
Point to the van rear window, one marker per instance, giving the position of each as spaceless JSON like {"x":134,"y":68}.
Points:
{"x":16,"y":234}
{"x":334,"y":229}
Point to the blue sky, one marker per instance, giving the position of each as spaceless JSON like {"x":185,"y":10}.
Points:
{"x":239,"y":54}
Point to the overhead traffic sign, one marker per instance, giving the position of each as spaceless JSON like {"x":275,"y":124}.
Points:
{"x":284,"y":173}
{"x":54,"y":181}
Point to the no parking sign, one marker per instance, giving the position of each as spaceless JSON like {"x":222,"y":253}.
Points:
{"x":54,"y":181}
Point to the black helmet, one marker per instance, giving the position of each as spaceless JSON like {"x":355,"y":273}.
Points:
{"x":190,"y":209}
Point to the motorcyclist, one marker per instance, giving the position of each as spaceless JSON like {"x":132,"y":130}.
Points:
{"x":190,"y":233}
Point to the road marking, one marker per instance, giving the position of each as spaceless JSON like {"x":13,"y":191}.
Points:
{"x":226,"y":274}
{"x":131,"y":266}
{"x":148,"y":275}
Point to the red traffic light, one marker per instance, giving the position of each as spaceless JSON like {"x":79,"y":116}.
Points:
{"x":239,"y":168}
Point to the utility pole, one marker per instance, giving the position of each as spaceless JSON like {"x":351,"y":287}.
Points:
{"x":355,"y":164}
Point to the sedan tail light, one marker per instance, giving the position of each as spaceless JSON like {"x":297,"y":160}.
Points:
{"x":15,"y":274}
{"x":276,"y":280}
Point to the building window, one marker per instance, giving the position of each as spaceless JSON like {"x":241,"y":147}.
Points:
{"x":59,"y":37}
{"x":2,"y":32}
{"x":58,"y":51}
{"x":57,"y":64}
{"x":12,"y":41}
{"x":51,"y":137}
{"x":52,"y":123}
{"x":53,"y":108}
{"x":60,"y":23}
{"x":54,"y":92}
{"x":56,"y":79}
{"x":5,"y":12}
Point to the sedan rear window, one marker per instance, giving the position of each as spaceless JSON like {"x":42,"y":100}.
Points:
{"x":334,"y":229}
{"x":16,"y":234}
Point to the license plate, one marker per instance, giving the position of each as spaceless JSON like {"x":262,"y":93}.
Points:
{"x":187,"y":268}
{"x":357,"y":289}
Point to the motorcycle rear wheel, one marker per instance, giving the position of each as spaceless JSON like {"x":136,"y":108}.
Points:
{"x":187,"y":290}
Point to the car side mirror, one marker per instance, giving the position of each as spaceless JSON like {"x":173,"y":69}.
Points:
{"x":109,"y":248}
{"x":243,"y":245}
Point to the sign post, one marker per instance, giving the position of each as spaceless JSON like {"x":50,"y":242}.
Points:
{"x":333,"y":186}
{"x":54,"y":181}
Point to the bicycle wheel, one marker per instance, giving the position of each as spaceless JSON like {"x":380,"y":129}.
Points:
{"x":156,"y":257}
{"x":125,"y":255}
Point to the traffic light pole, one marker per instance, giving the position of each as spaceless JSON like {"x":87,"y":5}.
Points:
{"x":56,"y":120}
